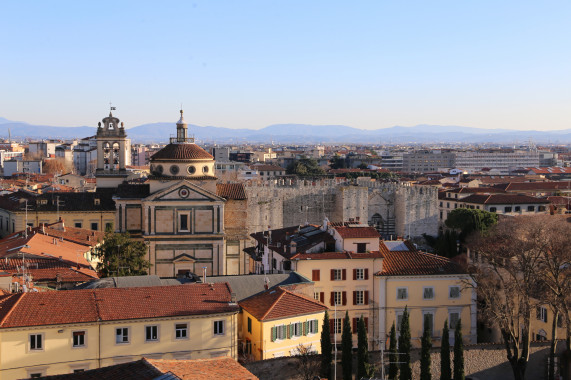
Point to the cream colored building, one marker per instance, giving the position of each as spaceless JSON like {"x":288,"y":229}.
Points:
{"x":177,"y":212}
{"x":86,"y":329}
{"x":275,"y":323}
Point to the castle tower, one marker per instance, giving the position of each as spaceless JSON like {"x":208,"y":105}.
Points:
{"x":112,"y":152}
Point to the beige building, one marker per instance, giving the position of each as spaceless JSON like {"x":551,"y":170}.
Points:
{"x":86,"y":329}
{"x":177,"y":212}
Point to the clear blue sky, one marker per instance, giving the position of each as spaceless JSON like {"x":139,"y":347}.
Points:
{"x":248,"y":64}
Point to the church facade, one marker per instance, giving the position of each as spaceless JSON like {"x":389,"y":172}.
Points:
{"x":177,"y":211}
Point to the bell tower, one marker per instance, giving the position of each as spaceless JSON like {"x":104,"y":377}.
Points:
{"x":112,"y":152}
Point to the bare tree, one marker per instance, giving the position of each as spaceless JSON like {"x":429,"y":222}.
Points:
{"x":308,"y":363}
{"x":508,"y":283}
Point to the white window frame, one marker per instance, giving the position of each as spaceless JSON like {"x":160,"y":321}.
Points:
{"x":123,"y":329}
{"x":297,"y":329}
{"x":360,"y":274}
{"x":542,"y":314}
{"x":450,"y":312}
{"x":316,"y":296}
{"x":177,"y":329}
{"x":450,"y":292}
{"x":338,"y":296}
{"x":42,"y":344}
{"x":157,"y":331}
{"x":313,"y":326}
{"x":431,"y":312}
{"x":281,"y":332}
{"x":359,"y":297}
{"x":424,"y":289}
{"x":405,"y":288}
{"x":38,"y":370}
{"x":337,"y":274}
{"x":222,"y":326}
{"x":398,"y":313}
{"x":84,"y":345}
{"x":338,"y":326}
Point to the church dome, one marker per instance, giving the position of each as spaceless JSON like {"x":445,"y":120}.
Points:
{"x":180,"y":152}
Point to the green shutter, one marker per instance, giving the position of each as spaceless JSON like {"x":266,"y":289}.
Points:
{"x":305,"y":328}
{"x":288,"y":331}
{"x":274,"y":334}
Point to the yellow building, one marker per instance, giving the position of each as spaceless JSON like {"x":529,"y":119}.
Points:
{"x":63,"y":332}
{"x":428,"y":286}
{"x":275,"y":323}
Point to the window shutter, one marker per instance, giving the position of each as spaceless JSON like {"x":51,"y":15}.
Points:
{"x":366,"y":273}
{"x":332,"y":298}
{"x":366,"y":297}
{"x":354,"y":274}
{"x":344,"y":297}
{"x":305,"y":328}
{"x":366,"y":324}
{"x":315,"y":275}
{"x":274,"y":334}
{"x":354,"y":325}
{"x":332,"y":326}
{"x":344,"y":274}
{"x":354,"y":297}
{"x":289,"y":327}
{"x":322,"y":297}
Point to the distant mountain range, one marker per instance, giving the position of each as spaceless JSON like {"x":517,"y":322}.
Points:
{"x":301,"y":134}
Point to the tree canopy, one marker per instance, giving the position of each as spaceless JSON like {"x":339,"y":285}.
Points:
{"x":468,"y":220}
{"x":305,"y":167}
{"x":120,"y":255}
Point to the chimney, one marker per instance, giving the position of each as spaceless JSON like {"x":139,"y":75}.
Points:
{"x":55,"y":241}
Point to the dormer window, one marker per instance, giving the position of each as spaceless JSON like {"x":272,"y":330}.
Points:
{"x":97,"y":201}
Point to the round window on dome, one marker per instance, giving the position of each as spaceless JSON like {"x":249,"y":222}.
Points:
{"x":205,"y":169}
{"x":159,"y":169}
{"x":174,"y":170}
{"x":191,"y":169}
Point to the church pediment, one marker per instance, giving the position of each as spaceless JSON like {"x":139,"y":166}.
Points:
{"x":184,"y":258}
{"x":184,"y":190}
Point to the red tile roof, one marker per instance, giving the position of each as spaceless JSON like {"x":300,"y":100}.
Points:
{"x":43,"y":270}
{"x":204,"y":369}
{"x":267,"y":168}
{"x":416,"y":263}
{"x":149,"y":369}
{"x":535,"y":186}
{"x":231,"y":191}
{"x":278,"y":303}
{"x":348,"y":232}
{"x":337,"y":256}
{"x":500,"y":199}
{"x":181,"y":152}
{"x":550,"y":170}
{"x":111,"y":304}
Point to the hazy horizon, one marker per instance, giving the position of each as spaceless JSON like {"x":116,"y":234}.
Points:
{"x":251,"y":64}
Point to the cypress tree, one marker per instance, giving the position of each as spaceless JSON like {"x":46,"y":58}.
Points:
{"x":364,"y":369}
{"x":347,"y":349}
{"x":393,"y":357}
{"x":445,"y":370}
{"x":425,"y":352}
{"x":458,"y":352}
{"x":326,"y":348}
{"x":404,"y":348}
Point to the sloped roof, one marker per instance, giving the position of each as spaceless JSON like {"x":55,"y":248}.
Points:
{"x":54,"y":308}
{"x":538,"y":186}
{"x":152,"y":369}
{"x":416,"y":263}
{"x":279,"y":303}
{"x":84,"y":201}
{"x":247,"y":286}
{"x":349,"y":232}
{"x":42,"y":269}
{"x":233,"y":191}
{"x":499,"y":199}
{"x":337,"y":255}
{"x":128,"y":282}
{"x":181,"y":152}
{"x":305,"y":237}
{"x":267,"y":167}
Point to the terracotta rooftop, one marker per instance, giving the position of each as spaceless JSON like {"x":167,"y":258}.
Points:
{"x":537,"y":186}
{"x":267,"y":168}
{"x":499,"y":199}
{"x":337,"y":255}
{"x":43,"y":270}
{"x":415,"y":263}
{"x":231,"y":191}
{"x":550,"y":170}
{"x":278,"y":303}
{"x":69,"y":201}
{"x":151,"y":369}
{"x":112,"y":304}
{"x":304,"y":237}
{"x":181,"y":152}
{"x":204,"y":369}
{"x":349,"y":232}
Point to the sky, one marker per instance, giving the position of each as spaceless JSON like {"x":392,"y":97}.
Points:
{"x":249,"y":64}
